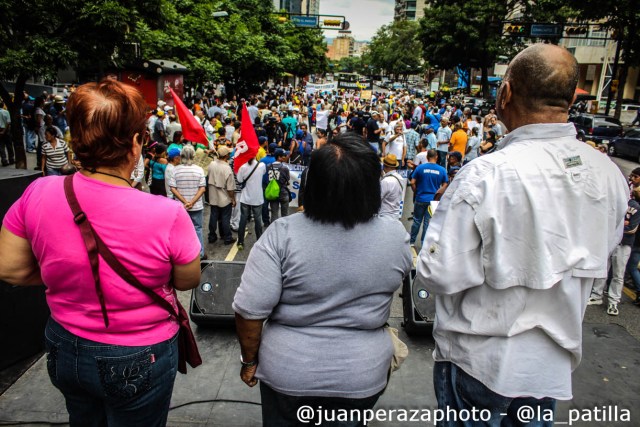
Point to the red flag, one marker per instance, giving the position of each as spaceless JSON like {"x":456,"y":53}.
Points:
{"x":191,"y":129}
{"x":248,"y":145}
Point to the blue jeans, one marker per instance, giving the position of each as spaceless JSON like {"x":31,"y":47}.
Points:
{"x":220,"y":218}
{"x":442,"y":158}
{"x":31,"y":139}
{"x":196,"y":219}
{"x":458,"y":392}
{"x":111,"y":385}
{"x":420,"y":216}
{"x":280,"y":410}
{"x":632,"y":268}
{"x":244,"y":215}
{"x":52,"y":171}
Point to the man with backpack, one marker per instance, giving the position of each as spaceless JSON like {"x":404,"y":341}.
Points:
{"x":305,"y":144}
{"x":291,"y":126}
{"x":277,"y":190}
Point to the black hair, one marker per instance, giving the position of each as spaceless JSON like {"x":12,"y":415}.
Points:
{"x":343,"y":183}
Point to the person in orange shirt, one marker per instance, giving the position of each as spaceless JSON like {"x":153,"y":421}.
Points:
{"x":458,"y":141}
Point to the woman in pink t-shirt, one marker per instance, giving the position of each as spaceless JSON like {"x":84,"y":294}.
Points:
{"x":123,"y":373}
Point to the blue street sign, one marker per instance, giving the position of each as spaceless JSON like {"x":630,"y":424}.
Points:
{"x":546,"y":30}
{"x":305,"y":21}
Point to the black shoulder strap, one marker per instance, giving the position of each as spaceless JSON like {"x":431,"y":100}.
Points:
{"x":252,"y":171}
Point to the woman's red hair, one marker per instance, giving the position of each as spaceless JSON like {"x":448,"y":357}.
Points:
{"x":103,"y":119}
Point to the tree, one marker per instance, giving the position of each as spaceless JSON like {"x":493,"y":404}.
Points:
{"x":395,"y":48}
{"x":466,"y":34}
{"x":39,"y":37}
{"x":623,"y":17}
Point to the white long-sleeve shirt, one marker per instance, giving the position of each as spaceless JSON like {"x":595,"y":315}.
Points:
{"x":511,"y":255}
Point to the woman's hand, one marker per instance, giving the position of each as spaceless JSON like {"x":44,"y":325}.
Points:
{"x":247,"y":375}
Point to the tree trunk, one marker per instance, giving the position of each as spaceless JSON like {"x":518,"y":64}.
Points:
{"x":485,"y":81}
{"x":622,"y":81}
{"x":14,"y":105}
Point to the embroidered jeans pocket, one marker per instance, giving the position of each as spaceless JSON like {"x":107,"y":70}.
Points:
{"x":125,"y":377}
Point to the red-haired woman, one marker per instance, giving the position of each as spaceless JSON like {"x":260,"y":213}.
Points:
{"x":111,"y":348}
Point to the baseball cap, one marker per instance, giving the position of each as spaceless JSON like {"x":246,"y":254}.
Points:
{"x":262,"y":139}
{"x":280,"y":152}
{"x":223,"y":151}
{"x":273,"y":147}
{"x":173,"y":153}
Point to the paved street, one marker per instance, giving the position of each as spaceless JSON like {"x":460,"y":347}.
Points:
{"x":605,"y":377}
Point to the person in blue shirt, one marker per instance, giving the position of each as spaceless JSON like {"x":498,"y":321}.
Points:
{"x":432,"y":118}
{"x":267,"y":160}
{"x":426,"y":180}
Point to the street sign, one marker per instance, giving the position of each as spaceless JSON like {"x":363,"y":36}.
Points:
{"x":546,"y":30}
{"x":304,"y":21}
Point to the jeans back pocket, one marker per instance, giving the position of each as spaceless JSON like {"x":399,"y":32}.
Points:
{"x":124,"y":377}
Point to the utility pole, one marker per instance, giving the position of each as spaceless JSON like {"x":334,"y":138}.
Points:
{"x":614,"y":73}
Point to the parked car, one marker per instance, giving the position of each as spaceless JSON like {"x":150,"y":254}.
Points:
{"x":595,"y":127}
{"x":627,"y":145}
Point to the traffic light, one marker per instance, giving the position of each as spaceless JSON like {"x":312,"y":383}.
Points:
{"x":332,"y":22}
{"x":575,"y":31}
{"x":516,"y":30}
{"x":614,"y":86}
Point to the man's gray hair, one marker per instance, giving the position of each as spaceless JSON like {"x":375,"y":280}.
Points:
{"x":187,"y":155}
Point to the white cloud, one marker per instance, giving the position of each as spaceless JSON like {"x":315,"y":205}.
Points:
{"x":364,"y":16}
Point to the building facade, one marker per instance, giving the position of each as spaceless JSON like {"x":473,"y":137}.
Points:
{"x":411,"y":10}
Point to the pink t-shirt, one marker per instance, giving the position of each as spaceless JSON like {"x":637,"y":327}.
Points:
{"x":147,"y":233}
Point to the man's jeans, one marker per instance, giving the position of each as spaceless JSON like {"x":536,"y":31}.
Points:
{"x":458,"y":393}
{"x":220,"y":217}
{"x":632,"y":268}
{"x":31,"y":139}
{"x":196,"y":219}
{"x":420,"y":216}
{"x":244,"y":215}
{"x":278,"y":208}
{"x":619,"y":259}
{"x":280,"y":409}
{"x":6,"y":148}
{"x":442,"y":158}
{"x":105,"y":384}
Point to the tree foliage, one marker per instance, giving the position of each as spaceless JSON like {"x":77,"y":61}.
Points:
{"x":39,"y":37}
{"x":395,"y":49}
{"x":466,"y":34}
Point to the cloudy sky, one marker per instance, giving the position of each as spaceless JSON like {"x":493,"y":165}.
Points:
{"x":365,"y":16}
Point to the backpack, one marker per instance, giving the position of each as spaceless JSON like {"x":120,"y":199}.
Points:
{"x":272,"y":192}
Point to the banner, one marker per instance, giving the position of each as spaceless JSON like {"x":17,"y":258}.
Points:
{"x":366,"y":95}
{"x":312,"y":88}
{"x":359,"y":85}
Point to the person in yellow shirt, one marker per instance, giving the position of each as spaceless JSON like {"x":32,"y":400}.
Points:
{"x":262,"y":151}
{"x":458,"y":141}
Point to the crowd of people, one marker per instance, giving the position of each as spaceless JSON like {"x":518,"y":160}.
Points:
{"x":312,"y":329}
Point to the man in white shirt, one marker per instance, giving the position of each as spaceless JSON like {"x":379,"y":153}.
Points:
{"x":322,"y":118}
{"x":511,"y":289}
{"x":395,"y":144}
{"x":251,"y":198}
{"x":390,"y":188}
{"x":443,"y":137}
{"x":188,"y":184}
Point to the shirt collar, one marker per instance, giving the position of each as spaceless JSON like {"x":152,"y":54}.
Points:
{"x":539,"y":131}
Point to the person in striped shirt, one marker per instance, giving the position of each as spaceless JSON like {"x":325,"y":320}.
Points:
{"x":55,"y":153}
{"x":188,"y":184}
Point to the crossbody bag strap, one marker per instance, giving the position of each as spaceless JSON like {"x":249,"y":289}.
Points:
{"x":92,"y":238}
{"x":90,"y":242}
{"x":252,"y":171}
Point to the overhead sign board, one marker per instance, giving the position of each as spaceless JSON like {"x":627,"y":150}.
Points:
{"x":546,"y":30}
{"x":305,"y":21}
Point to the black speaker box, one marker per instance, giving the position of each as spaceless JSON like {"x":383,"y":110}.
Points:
{"x":418,"y":307}
{"x":23,"y":309}
{"x":211,"y":300}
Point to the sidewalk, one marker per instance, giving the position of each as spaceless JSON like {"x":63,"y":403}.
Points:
{"x":607,"y":376}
